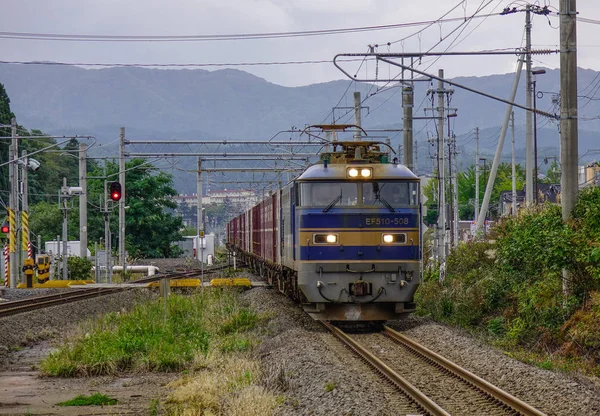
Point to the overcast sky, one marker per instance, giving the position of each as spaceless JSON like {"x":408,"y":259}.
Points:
{"x":202,"y":17}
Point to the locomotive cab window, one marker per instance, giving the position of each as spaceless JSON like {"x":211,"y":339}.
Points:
{"x":322,"y":194}
{"x":396,"y":194}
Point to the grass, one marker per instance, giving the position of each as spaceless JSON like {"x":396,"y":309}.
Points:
{"x":149,"y":338}
{"x":95,"y":399}
{"x":207,"y":337}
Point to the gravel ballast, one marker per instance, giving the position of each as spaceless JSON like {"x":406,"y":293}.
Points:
{"x":306,"y":360}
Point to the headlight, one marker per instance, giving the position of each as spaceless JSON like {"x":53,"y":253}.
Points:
{"x":394,"y":238}
{"x":325,"y":238}
{"x":353,"y":173}
{"x":365,"y":173}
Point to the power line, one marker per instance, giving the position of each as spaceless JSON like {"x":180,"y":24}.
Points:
{"x":174,"y":65}
{"x":210,"y":37}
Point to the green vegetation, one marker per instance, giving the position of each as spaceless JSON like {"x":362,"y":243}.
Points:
{"x":95,"y":399}
{"x":148,"y":338}
{"x":79,"y":268}
{"x":330,"y":386}
{"x":511,"y":287}
{"x":206,"y":336}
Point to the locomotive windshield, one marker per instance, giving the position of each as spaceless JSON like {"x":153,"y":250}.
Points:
{"x":394,"y":194}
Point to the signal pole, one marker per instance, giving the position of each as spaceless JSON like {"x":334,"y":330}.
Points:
{"x":568,"y":114}
{"x":13,"y":213}
{"x":122,"y":258}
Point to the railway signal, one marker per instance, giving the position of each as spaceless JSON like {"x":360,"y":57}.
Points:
{"x":115,"y":191}
{"x":5,"y":228}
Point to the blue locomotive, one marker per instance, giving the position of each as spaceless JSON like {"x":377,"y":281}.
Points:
{"x":343,"y":238}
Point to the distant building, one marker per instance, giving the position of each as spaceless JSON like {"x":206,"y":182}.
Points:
{"x":589,"y":175}
{"x":547,"y":192}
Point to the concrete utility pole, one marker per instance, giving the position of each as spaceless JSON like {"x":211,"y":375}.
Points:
{"x":357,"y":115}
{"x":199,"y":207}
{"x":64,"y":192}
{"x":14,"y":205}
{"x":455,"y":219}
{"x":514,"y":167}
{"x":416,"y":164}
{"x":441,"y":165}
{"x":407,"y":127}
{"x":83,"y":235}
{"x":569,"y":147}
{"x":122,"y":258}
{"x":528,"y":114}
{"x":107,"y":242}
{"x":492,"y":175}
{"x":476,"y":173}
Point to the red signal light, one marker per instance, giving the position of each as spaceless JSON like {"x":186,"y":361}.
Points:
{"x":5,"y":228}
{"x":115,"y":191}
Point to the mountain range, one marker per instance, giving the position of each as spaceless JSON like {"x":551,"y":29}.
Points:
{"x":233,"y":104}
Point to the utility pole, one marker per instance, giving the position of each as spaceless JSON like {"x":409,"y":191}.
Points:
{"x":476,"y":173}
{"x":416,"y":164}
{"x":64,"y":192}
{"x":407,"y":127}
{"x":528,"y":114}
{"x":83,"y":235}
{"x":107,"y":242}
{"x":455,"y":192}
{"x":514,"y":167}
{"x":441,"y":171}
{"x":492,"y":176}
{"x":122,"y":258}
{"x":569,"y":147}
{"x":13,"y":213}
{"x":199,"y":207}
{"x":357,"y":115}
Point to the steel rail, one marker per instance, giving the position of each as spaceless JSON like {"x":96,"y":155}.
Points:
{"x":31,"y":304}
{"x":33,"y":299}
{"x":463,"y":374}
{"x":396,"y":379}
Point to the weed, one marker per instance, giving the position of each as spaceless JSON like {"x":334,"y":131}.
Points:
{"x":95,"y":399}
{"x":154,"y":407}
{"x":330,"y":386}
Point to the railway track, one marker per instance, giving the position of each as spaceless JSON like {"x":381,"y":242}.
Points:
{"x":39,"y":302}
{"x":434,"y":384}
{"x":187,"y":274}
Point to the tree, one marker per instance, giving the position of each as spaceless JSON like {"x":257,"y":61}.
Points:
{"x":150,"y":229}
{"x":553,"y":173}
{"x":5,"y":116}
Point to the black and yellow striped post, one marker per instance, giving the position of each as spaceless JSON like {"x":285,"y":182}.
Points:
{"x":25,"y":231}
{"x":12,"y":235}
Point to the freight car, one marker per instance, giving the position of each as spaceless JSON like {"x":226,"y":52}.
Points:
{"x":343,"y":238}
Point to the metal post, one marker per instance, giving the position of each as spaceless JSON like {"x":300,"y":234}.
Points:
{"x":107,"y":246}
{"x":568,"y":113}
{"x":407,"y":128}
{"x":514,"y":167}
{"x":357,"y":115}
{"x":528,"y":116}
{"x":64,"y":193}
{"x":476,"y":173}
{"x":492,"y":175}
{"x":122,"y":258}
{"x":455,"y":193}
{"x":96,"y":264}
{"x":416,"y":162}
{"x":83,"y":234}
{"x":441,"y":225}
{"x":199,"y":193}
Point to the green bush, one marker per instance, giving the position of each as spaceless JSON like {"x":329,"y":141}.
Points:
{"x":79,"y":268}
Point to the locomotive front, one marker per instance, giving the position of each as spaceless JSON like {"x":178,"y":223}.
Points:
{"x":358,"y":237}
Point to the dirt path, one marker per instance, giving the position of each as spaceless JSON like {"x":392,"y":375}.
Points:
{"x":24,"y":392}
